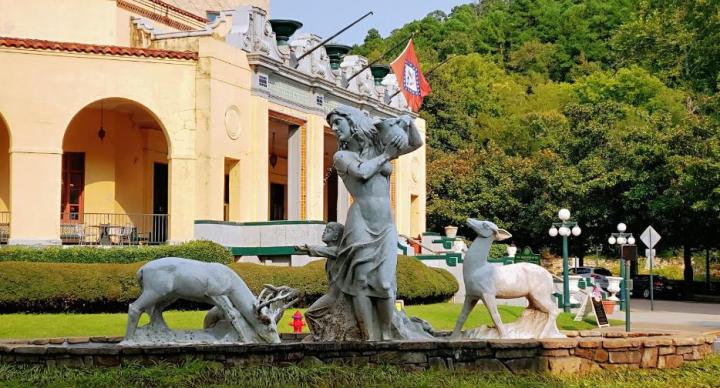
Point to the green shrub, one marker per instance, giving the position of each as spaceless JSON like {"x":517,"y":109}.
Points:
{"x":498,"y":250}
{"x":198,"y":250}
{"x":72,"y":287}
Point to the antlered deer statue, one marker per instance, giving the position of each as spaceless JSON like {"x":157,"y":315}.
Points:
{"x":168,"y":279}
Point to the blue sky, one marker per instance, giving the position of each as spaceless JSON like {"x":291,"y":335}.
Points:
{"x":325,"y":17}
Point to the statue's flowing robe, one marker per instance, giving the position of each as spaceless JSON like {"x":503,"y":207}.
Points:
{"x":367,"y":258}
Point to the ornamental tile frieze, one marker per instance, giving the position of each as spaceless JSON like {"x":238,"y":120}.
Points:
{"x":309,"y":84}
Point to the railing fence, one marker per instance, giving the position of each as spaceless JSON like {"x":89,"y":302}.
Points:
{"x":113,"y":229}
{"x":4,"y":227}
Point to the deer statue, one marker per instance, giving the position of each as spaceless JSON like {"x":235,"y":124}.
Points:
{"x":166,"y":280}
{"x":269,"y":302}
{"x":490,"y":282}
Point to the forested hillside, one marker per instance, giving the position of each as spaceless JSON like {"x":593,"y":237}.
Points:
{"x":607,"y":107}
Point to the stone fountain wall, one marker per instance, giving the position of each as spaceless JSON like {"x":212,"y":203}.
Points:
{"x":582,"y":352}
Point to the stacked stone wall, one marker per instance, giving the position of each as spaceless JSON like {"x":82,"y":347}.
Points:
{"x":580,"y":353}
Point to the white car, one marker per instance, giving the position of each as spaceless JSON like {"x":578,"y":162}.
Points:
{"x":597,"y":274}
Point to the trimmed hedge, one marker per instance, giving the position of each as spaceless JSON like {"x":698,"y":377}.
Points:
{"x":89,"y":288}
{"x":201,"y":250}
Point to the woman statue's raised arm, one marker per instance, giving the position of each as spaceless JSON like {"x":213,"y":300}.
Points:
{"x":405,"y":126}
{"x":415,"y":139}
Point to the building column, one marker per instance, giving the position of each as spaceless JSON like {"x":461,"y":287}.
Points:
{"x":254,"y":192}
{"x":181,"y":199}
{"x":400,"y":194}
{"x":314,"y":171}
{"x":295,"y":172}
{"x":409,"y":181}
{"x":343,"y":203}
{"x":35,"y":219}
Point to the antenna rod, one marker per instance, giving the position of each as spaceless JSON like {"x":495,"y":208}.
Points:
{"x":380,"y":57}
{"x":428,"y":73}
{"x":330,"y":38}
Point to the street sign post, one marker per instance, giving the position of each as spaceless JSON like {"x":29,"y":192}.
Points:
{"x":649,"y":253}
{"x":650,"y":237}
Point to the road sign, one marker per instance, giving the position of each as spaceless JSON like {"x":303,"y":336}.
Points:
{"x":650,"y":255}
{"x":650,"y":237}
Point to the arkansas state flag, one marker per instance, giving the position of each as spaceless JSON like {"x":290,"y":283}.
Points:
{"x":410,"y":78}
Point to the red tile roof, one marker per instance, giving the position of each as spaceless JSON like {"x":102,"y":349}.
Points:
{"x":95,"y":49}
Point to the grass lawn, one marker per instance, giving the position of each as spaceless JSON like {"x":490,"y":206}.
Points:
{"x":441,"y":316}
{"x":195,"y":373}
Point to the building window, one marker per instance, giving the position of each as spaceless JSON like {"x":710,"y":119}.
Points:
{"x":262,"y":80}
{"x":212,"y":15}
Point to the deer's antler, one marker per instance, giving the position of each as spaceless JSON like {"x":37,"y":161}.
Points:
{"x":277,"y":294}
{"x":270,"y":295}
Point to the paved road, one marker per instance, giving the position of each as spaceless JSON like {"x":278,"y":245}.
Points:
{"x":675,"y":306}
{"x":673,"y":315}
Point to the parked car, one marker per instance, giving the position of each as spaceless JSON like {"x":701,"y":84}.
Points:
{"x":662,"y":287}
{"x":597,"y":274}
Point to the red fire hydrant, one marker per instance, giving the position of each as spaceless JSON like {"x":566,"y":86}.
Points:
{"x":297,"y":322}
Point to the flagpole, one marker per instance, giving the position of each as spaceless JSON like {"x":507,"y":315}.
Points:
{"x":379,"y":58}
{"x":296,"y":61}
{"x":426,"y":75}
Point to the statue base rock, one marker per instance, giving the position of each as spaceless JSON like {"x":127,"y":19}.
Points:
{"x":529,"y":326}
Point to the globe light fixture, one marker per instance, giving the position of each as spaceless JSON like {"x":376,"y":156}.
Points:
{"x":564,"y":229}
{"x":576,"y":230}
{"x":622,"y":238}
{"x":564,"y":214}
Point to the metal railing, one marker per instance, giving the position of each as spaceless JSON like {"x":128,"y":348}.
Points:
{"x":4,"y":227}
{"x":113,"y":229}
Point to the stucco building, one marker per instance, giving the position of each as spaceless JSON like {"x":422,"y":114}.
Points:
{"x":127,"y":121}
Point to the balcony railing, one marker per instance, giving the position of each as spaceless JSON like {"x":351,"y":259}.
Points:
{"x":4,"y":227}
{"x":113,"y":229}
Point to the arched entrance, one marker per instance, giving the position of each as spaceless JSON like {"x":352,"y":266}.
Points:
{"x":114,"y":176}
{"x":4,"y":182}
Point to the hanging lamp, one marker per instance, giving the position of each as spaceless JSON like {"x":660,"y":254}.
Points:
{"x":273,"y":155}
{"x":101,"y":132}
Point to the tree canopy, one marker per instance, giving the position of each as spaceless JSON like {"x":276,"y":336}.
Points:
{"x":607,"y":107}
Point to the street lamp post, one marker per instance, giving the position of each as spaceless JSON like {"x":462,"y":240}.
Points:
{"x":623,"y":238}
{"x":564,"y":228}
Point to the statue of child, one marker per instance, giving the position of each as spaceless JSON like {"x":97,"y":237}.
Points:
{"x":331,"y":237}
